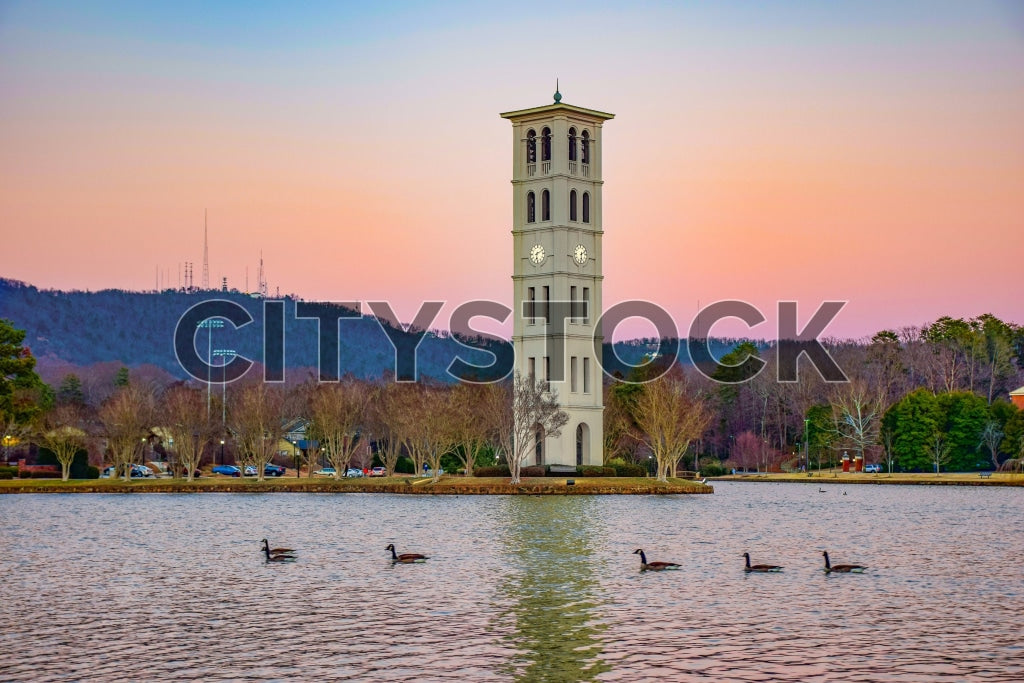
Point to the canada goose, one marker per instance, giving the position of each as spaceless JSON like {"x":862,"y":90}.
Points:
{"x":283,"y":557}
{"x":653,"y":566}
{"x":276,"y":551}
{"x":842,"y":568}
{"x":821,"y":490}
{"x":406,"y":558}
{"x":760,"y":567}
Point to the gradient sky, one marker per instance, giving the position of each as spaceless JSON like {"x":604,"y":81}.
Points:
{"x":863,"y":151}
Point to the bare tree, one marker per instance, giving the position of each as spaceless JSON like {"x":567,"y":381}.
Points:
{"x":746,"y":450}
{"x":440,"y":432}
{"x":887,"y":437}
{"x":469,"y":428}
{"x":127,"y":417}
{"x":857,"y":411}
{"x":256,"y":417}
{"x":63,"y":436}
{"x":991,"y":436}
{"x":671,"y":415}
{"x":186,"y":421}
{"x":386,"y":421}
{"x":517,"y":412}
{"x":620,"y":435}
{"x":940,"y":451}
{"x":337,"y":414}
{"x":414,"y":423}
{"x":15,"y":431}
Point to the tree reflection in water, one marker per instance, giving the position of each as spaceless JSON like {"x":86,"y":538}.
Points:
{"x":551,"y":589}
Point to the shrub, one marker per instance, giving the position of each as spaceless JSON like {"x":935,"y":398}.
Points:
{"x":79,"y":464}
{"x":91,"y":472}
{"x":405,"y":466}
{"x":595,"y":471}
{"x":7,"y":473}
{"x":532,"y":471}
{"x":712,"y":468}
{"x":627,"y":469}
{"x":24,"y":474}
{"x":492,"y":471}
{"x":45,"y":474}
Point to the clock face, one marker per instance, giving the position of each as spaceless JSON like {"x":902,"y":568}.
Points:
{"x":579,"y":254}
{"x":537,"y":254}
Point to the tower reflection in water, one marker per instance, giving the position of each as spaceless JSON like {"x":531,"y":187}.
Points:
{"x":550,"y":588}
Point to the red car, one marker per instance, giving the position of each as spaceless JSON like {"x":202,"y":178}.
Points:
{"x":378,"y":472}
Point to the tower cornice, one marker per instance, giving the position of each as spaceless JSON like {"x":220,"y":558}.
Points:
{"x":550,"y":109}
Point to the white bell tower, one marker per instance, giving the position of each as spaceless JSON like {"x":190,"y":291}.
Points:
{"x":556,"y":237}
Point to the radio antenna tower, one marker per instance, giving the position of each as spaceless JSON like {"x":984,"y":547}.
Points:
{"x":262,"y":280}
{"x":206,"y":254}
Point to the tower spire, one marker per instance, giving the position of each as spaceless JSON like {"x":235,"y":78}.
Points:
{"x":206,"y":254}
{"x":558,"y":95}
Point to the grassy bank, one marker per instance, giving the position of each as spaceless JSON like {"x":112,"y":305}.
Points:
{"x":404,"y":485}
{"x":923,"y":479}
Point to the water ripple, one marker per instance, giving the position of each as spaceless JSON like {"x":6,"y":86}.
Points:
{"x":173,"y":587}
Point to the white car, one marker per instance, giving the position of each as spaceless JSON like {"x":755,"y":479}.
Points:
{"x":873,"y":468}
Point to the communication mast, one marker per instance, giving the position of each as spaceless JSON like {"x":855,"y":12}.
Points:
{"x":261,"y":279}
{"x":206,"y":254}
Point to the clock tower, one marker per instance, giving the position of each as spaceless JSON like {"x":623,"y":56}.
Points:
{"x":556,"y":269}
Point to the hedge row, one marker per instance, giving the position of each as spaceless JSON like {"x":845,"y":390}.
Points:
{"x":544,"y":471}
{"x":628,"y":469}
{"x":39,"y":474}
{"x":89,"y":472}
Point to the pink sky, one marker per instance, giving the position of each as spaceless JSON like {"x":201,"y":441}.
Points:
{"x":805,"y":152}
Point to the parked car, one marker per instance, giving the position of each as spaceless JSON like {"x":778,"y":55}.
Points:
{"x":229,"y":470}
{"x":272,"y":470}
{"x":378,"y":472}
{"x":353,"y":472}
{"x":873,"y":468}
{"x":326,"y":472}
{"x":138,"y":471}
{"x":250,"y":471}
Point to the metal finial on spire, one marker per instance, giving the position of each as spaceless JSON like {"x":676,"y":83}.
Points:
{"x":558,"y":95}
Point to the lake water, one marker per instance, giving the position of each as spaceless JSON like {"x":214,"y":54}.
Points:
{"x":174,"y":587}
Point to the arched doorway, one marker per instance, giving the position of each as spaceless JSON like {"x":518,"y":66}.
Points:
{"x":582,"y":441}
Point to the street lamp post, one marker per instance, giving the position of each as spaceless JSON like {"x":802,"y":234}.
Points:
{"x":807,"y":449}
{"x":222,"y":451}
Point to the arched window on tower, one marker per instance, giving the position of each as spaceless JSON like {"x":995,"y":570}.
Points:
{"x":582,"y":442}
{"x":585,"y":156}
{"x":545,"y":145}
{"x":572,"y":144}
{"x":572,"y":205}
{"x":545,"y":205}
{"x":538,"y":444}
{"x":531,"y":207}
{"x":531,"y":146}
{"x":586,"y":207}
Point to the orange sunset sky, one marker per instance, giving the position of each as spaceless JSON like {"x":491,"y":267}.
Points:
{"x":861,"y":151}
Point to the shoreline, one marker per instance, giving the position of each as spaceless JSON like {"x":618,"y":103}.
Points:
{"x":533,"y":486}
{"x":1004,"y":479}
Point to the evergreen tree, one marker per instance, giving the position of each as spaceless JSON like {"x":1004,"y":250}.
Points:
{"x":22,"y":393}
{"x":70,"y":390}
{"x":963,"y":419}
{"x":914,"y":422}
